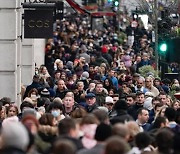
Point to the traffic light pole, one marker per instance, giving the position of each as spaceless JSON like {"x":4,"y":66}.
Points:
{"x":156,"y":34}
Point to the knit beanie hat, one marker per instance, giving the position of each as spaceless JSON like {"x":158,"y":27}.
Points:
{"x":14,"y":134}
{"x":45,"y":93}
{"x":85,"y":75}
{"x":104,"y":49}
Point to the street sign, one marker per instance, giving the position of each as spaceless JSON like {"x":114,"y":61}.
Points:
{"x":38,"y":23}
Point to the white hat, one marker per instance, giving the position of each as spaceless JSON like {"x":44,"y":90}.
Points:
{"x":149,"y":94}
{"x":109,"y":100}
{"x":15,"y":134}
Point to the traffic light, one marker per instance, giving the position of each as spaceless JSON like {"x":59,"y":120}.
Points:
{"x":116,"y":3}
{"x":169,"y":50}
{"x":163,"y":47}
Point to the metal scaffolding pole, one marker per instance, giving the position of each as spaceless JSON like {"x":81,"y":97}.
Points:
{"x":156,"y":33}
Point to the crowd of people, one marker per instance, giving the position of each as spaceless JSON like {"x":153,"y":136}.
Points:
{"x":91,"y":96}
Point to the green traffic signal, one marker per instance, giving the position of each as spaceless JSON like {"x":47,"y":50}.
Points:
{"x":163,"y":47}
{"x":116,"y":3}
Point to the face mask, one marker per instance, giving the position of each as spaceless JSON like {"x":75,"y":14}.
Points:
{"x":55,"y":113}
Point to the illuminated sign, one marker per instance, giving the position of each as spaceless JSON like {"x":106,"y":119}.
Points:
{"x":38,"y":23}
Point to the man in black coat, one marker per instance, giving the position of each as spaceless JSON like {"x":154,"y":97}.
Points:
{"x":122,"y":115}
{"x":140,"y":97}
{"x":91,"y":102}
{"x":34,"y":84}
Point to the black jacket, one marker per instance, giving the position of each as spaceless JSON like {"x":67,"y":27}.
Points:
{"x":133,"y":110}
{"x":122,"y":116}
{"x":11,"y":150}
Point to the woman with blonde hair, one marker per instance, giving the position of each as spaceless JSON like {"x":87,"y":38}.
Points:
{"x":43,"y":73}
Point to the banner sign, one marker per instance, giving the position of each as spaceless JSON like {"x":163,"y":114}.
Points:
{"x":38,"y":23}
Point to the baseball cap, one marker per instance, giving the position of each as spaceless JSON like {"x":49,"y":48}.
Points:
{"x":90,"y":95}
{"x":109,"y":100}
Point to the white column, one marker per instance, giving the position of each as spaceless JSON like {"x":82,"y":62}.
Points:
{"x":39,"y":51}
{"x":27,"y":58}
{"x":32,"y":52}
{"x":10,"y":48}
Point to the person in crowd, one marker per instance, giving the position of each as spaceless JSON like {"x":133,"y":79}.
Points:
{"x":170,"y":113}
{"x":63,"y":147}
{"x":121,"y":115}
{"x":149,"y":85}
{"x":142,"y":118}
{"x":130,"y":99}
{"x":161,"y":109}
{"x":12,"y":110}
{"x":157,"y":84}
{"x":88,"y":126}
{"x":169,"y":101}
{"x":34,"y":84}
{"x":56,"y":109}
{"x":79,"y":91}
{"x":69,"y":105}
{"x":140,"y":98}
{"x":61,"y":89}
{"x":103,"y":132}
{"x":164,"y":141}
{"x":114,"y":80}
{"x":109,"y":104}
{"x":68,"y":130}
{"x":100,"y":94}
{"x":91,"y":102}
{"x":6,"y":101}
{"x":43,"y":73}
{"x":140,"y":85}
{"x":15,"y":138}
{"x":91,"y":87}
{"x":115,"y":97}
{"x":108,"y":85}
{"x":144,"y":61}
{"x":163,"y":96}
{"x":47,"y":130}
{"x":116,"y":145}
{"x":101,"y":115}
{"x":160,"y":122}
{"x":125,"y":89}
{"x":143,"y":143}
{"x":78,"y":113}
{"x":56,"y":77}
{"x":148,"y":101}
{"x":176,"y":104}
{"x":121,"y":130}
{"x":156,"y":105}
